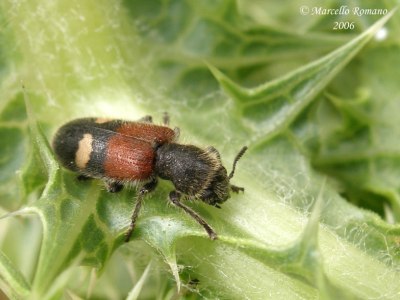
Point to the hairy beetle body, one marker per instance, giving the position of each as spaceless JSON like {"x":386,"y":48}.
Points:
{"x":120,"y":151}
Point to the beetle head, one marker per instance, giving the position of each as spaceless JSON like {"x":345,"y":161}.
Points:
{"x":218,"y":190}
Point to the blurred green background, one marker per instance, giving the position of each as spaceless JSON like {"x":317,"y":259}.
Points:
{"x":317,"y":106}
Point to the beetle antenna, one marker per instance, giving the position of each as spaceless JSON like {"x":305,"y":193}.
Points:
{"x":238,"y":156}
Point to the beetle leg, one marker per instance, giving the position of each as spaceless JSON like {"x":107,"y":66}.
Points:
{"x":113,"y":186}
{"x":236,"y":189}
{"x":146,"y":119}
{"x":148,"y":187}
{"x":174,"y":197}
{"x":166,"y":119}
{"x":82,"y":177}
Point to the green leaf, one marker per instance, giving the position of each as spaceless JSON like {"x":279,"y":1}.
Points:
{"x":300,"y":96}
{"x":12,"y":279}
{"x":270,"y":108}
{"x":361,"y":150}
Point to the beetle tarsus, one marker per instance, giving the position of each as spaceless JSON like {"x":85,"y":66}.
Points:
{"x":166,"y":119}
{"x":82,"y":177}
{"x":114,"y":187}
{"x":146,"y":119}
{"x":174,"y":197}
{"x":236,"y":189}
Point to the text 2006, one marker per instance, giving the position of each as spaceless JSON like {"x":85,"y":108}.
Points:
{"x":343,"y":25}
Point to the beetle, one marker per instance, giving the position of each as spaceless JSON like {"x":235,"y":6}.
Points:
{"x":120,"y":152}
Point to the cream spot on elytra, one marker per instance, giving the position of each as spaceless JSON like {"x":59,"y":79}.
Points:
{"x":82,"y":156}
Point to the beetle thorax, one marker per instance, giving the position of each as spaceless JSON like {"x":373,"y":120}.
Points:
{"x":193,"y":171}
